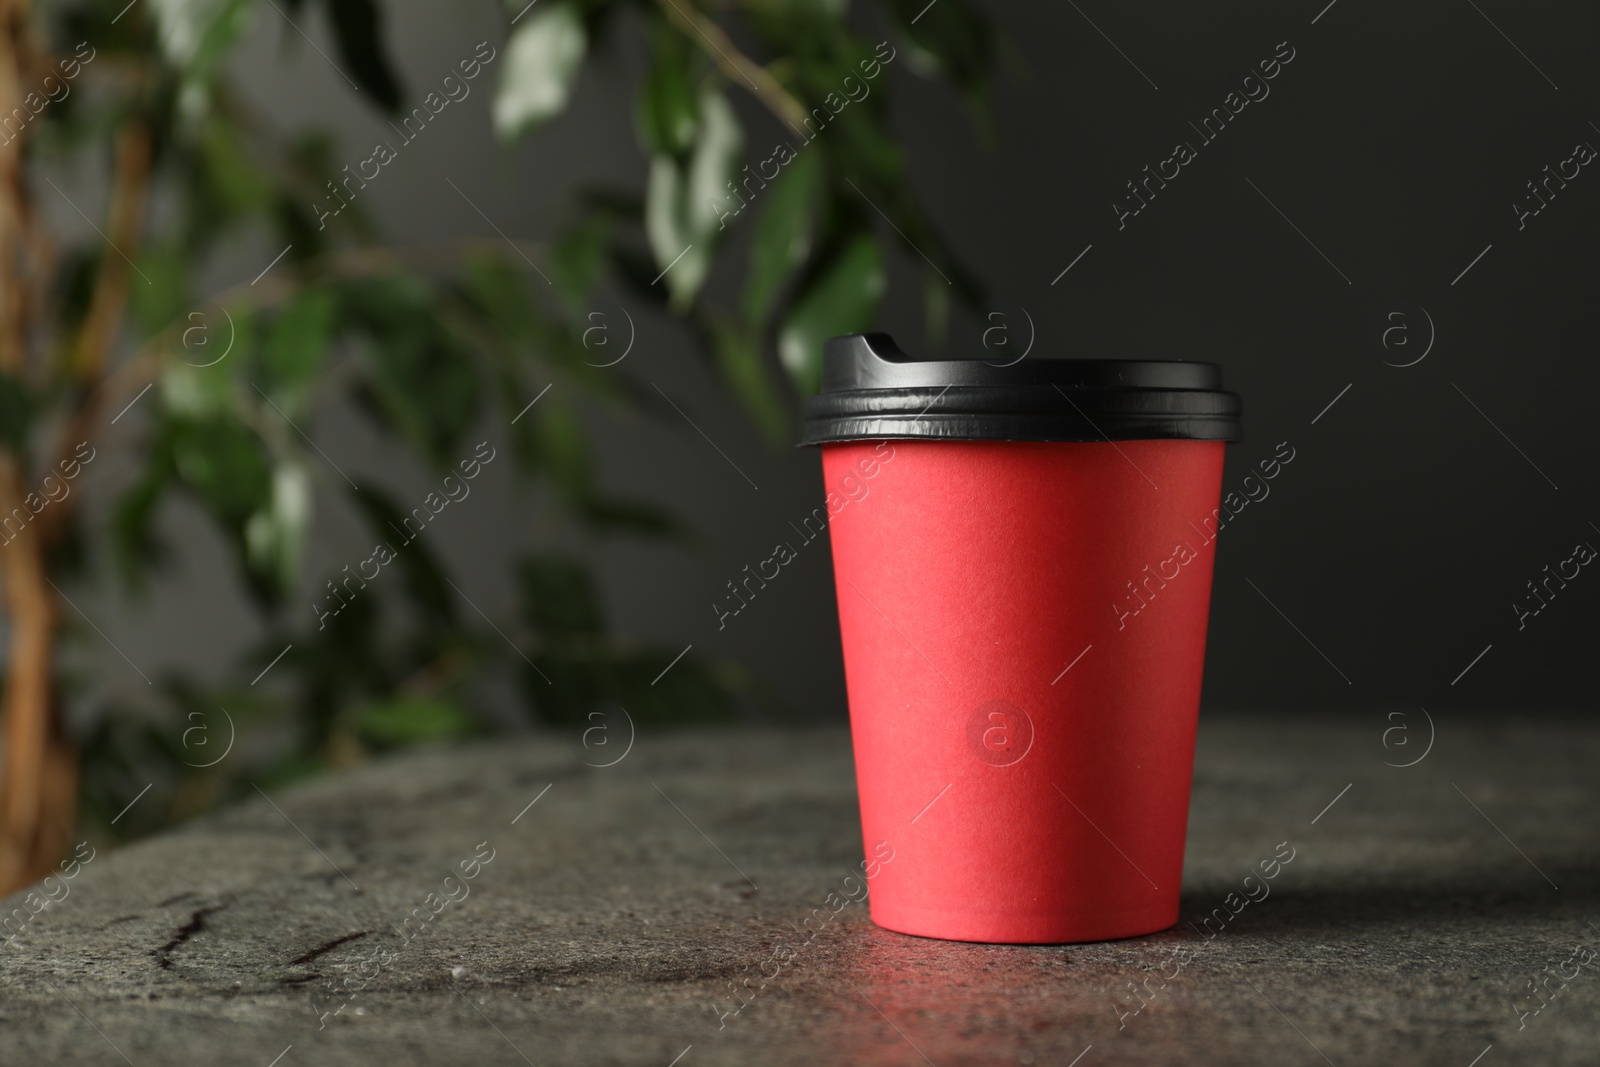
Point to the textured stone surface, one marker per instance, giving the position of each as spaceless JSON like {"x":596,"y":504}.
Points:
{"x":607,"y":925}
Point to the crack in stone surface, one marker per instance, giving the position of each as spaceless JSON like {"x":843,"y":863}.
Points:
{"x":329,"y":947}
{"x":196,"y":924}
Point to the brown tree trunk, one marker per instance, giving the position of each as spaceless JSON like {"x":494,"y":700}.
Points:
{"x":29,"y":750}
{"x":39,"y":787}
{"x":38,"y":769}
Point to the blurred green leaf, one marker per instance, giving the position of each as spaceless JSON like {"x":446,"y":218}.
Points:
{"x":403,"y":721}
{"x":343,"y":659}
{"x":744,"y":366}
{"x":578,"y":261}
{"x":783,"y":235}
{"x":841,"y":299}
{"x":423,"y":381}
{"x":424,"y":576}
{"x":291,"y":768}
{"x":298,"y":338}
{"x":358,"y":24}
{"x":713,"y":162}
{"x":275,"y":535}
{"x":194,"y":392}
{"x":561,"y":448}
{"x":191,"y":32}
{"x":195,"y":35}
{"x":134,"y":544}
{"x":231,"y":177}
{"x":540,"y":66}
{"x":501,"y":293}
{"x":684,"y":201}
{"x":670,"y":234}
{"x":224,"y":464}
{"x":156,"y":304}
{"x":950,"y":38}
{"x":665,"y":110}
{"x":225,"y":467}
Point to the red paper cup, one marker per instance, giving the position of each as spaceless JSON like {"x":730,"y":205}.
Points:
{"x":1023,"y":560}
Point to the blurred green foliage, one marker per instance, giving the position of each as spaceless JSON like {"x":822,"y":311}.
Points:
{"x":439,"y":350}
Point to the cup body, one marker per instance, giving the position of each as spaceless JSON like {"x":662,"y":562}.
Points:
{"x":1024,"y":628}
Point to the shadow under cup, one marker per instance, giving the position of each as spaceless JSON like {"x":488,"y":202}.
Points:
{"x":1023,"y":561}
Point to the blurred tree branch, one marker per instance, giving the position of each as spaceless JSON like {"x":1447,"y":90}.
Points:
{"x":739,"y":68}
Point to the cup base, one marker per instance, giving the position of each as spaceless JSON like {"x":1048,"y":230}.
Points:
{"x":1025,"y":929}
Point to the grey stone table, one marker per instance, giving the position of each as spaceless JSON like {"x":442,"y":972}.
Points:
{"x":606,"y":922}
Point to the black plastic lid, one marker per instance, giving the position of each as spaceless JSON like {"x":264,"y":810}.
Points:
{"x":871,"y":389}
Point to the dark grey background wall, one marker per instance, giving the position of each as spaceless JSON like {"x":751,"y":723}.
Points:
{"x":1384,"y":163}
